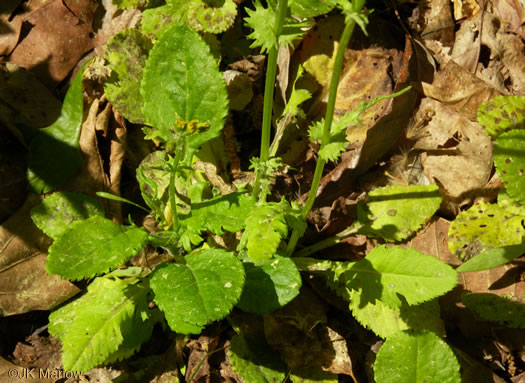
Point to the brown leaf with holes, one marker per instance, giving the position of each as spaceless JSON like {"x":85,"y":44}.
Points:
{"x":56,"y":39}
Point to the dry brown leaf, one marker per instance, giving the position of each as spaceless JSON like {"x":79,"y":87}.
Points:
{"x":300,"y":332}
{"x":460,"y":89}
{"x":24,"y":282}
{"x":465,"y":8}
{"x":57,"y":40}
{"x":458,"y":155}
{"x":10,"y":26}
{"x":512,"y":13}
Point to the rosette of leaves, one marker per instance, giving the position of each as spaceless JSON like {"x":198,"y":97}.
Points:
{"x":212,"y":16}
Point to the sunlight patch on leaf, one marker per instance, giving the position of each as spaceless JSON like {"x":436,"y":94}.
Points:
{"x":502,"y":114}
{"x":509,"y":159}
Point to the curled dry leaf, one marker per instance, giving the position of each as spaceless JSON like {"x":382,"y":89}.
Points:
{"x":452,"y":145}
{"x":456,"y":87}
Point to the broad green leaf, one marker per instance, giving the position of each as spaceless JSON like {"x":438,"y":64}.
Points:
{"x":182,"y":80}
{"x":227,"y":212}
{"x":509,"y":158}
{"x":493,"y":257}
{"x":387,"y":272}
{"x":396,"y":212}
{"x":385,"y":321}
{"x":106,"y":324}
{"x":59,"y":210}
{"x":54,"y":154}
{"x":92,"y":247}
{"x":416,"y":358}
{"x":509,"y":312}
{"x":270,"y":284}
{"x":501,"y":114}
{"x":203,"y":290}
{"x":265,"y":228}
{"x":126,"y":55}
{"x":254,"y":360}
{"x":310,"y":8}
{"x":481,"y":227}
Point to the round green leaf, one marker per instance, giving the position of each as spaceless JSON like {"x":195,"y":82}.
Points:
{"x":182,"y":80}
{"x":203,"y":290}
{"x":270,"y":284}
{"x":92,"y":247}
{"x":416,"y":358}
{"x":59,"y":210}
{"x":509,"y":158}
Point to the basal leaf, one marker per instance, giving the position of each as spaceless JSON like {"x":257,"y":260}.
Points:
{"x":112,"y":318}
{"x":385,"y":321}
{"x":493,"y":257}
{"x":126,"y":55}
{"x":207,"y":16}
{"x":310,"y":375}
{"x":502,"y":114}
{"x":203,"y":290}
{"x":387,"y":272}
{"x":154,"y":181}
{"x":509,"y":312}
{"x":54,"y":154}
{"x":182,"y":80}
{"x":270,"y":284}
{"x":421,"y":357}
{"x":155,"y":21}
{"x":481,"y":227}
{"x":254,"y":360}
{"x":509,"y":158}
{"x":265,"y":228}
{"x":398,"y":211}
{"x":59,"y":210}
{"x":92,"y":247}
{"x":510,"y":204}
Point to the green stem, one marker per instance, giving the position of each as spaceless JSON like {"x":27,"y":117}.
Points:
{"x":269,"y":85}
{"x":172,"y":192}
{"x":330,"y":108}
{"x":329,"y":242}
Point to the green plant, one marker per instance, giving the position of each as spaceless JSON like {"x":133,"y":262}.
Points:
{"x":184,"y":103}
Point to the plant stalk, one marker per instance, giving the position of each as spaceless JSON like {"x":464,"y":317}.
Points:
{"x":269,"y":86}
{"x":172,"y":192}
{"x":330,"y":108}
{"x":329,"y":242}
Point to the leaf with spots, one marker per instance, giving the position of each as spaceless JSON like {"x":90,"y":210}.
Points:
{"x":126,"y":55}
{"x":482,"y":227}
{"x":509,"y":158}
{"x":502,"y":114}
{"x":59,"y":210}
{"x":270,"y":284}
{"x":201,"y":291}
{"x":416,"y":357}
{"x":396,"y":212}
{"x":106,"y":324}
{"x":93,"y":247}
